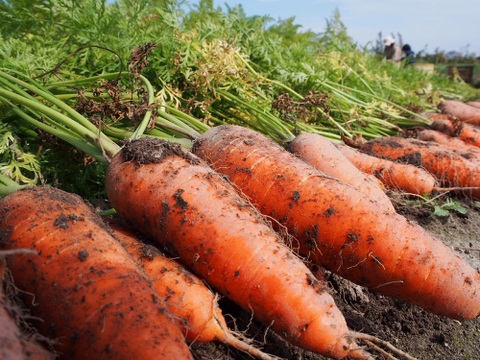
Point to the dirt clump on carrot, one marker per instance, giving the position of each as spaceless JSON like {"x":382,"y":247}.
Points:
{"x":152,"y":152}
{"x":193,"y":305}
{"x":198,"y":216}
{"x":341,"y":229}
{"x":468,"y":133}
{"x":89,"y":292}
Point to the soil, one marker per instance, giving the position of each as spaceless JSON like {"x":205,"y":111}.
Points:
{"x":413,"y":330}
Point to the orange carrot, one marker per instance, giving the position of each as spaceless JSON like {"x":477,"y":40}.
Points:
{"x":324,"y":155}
{"x":10,"y":344}
{"x":449,"y":168}
{"x":463,"y":131}
{"x":468,"y":151}
{"x":94,"y":299}
{"x":186,"y":296}
{"x":35,"y":351}
{"x":14,"y":343}
{"x":180,"y":202}
{"x":394,"y":175}
{"x":463,"y":112}
{"x":340,"y":228}
{"x":438,"y":116}
{"x":474,"y":104}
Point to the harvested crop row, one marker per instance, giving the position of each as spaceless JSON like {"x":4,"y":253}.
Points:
{"x":448,"y":167}
{"x":340,"y":228}
{"x":180,"y":202}
{"x":395,"y":175}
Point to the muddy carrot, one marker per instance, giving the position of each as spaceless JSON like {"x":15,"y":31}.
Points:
{"x":449,"y":168}
{"x":94,"y":299}
{"x":461,"y":111}
{"x":192,"y":303}
{"x":395,"y":175}
{"x":174,"y":198}
{"x":14,"y":344}
{"x":474,"y":104}
{"x":457,"y":129}
{"x":325,"y":156}
{"x":468,"y":151}
{"x":340,"y":228}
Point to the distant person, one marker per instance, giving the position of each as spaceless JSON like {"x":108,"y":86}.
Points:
{"x":408,"y":55}
{"x":392,"y":51}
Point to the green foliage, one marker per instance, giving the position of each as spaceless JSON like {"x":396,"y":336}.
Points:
{"x":16,"y":164}
{"x":448,"y":206}
{"x":74,"y":172}
{"x":210,"y":65}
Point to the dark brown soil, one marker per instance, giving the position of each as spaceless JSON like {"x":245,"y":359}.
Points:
{"x":408,"y":327}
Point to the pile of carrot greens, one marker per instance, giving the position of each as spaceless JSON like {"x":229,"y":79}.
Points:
{"x":79,"y":77}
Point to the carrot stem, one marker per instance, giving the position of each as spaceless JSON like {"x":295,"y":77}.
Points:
{"x":148,"y":114}
{"x":8,"y":186}
{"x":86,"y":134}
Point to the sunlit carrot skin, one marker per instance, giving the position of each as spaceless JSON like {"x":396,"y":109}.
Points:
{"x":449,"y":168}
{"x":179,"y":201}
{"x":93,"y":298}
{"x":463,"y":131}
{"x":402,"y":177}
{"x":325,"y":156}
{"x":463,"y":112}
{"x":341,"y":229}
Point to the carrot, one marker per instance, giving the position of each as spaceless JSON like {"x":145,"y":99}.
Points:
{"x":474,"y":104}
{"x":449,"y":168}
{"x":174,"y":198}
{"x":10,"y":345}
{"x":14,"y":344}
{"x":438,"y":116}
{"x":35,"y":351}
{"x":341,"y":229}
{"x":324,"y":155}
{"x":463,"y":131}
{"x":395,"y":175}
{"x":186,"y":296}
{"x":468,"y":151}
{"x":94,"y":299}
{"x":463,"y":112}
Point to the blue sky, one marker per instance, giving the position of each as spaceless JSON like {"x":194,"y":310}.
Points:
{"x":447,"y":25}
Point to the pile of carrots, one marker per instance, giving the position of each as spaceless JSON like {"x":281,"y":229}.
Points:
{"x":108,"y":288}
{"x":448,"y":151}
